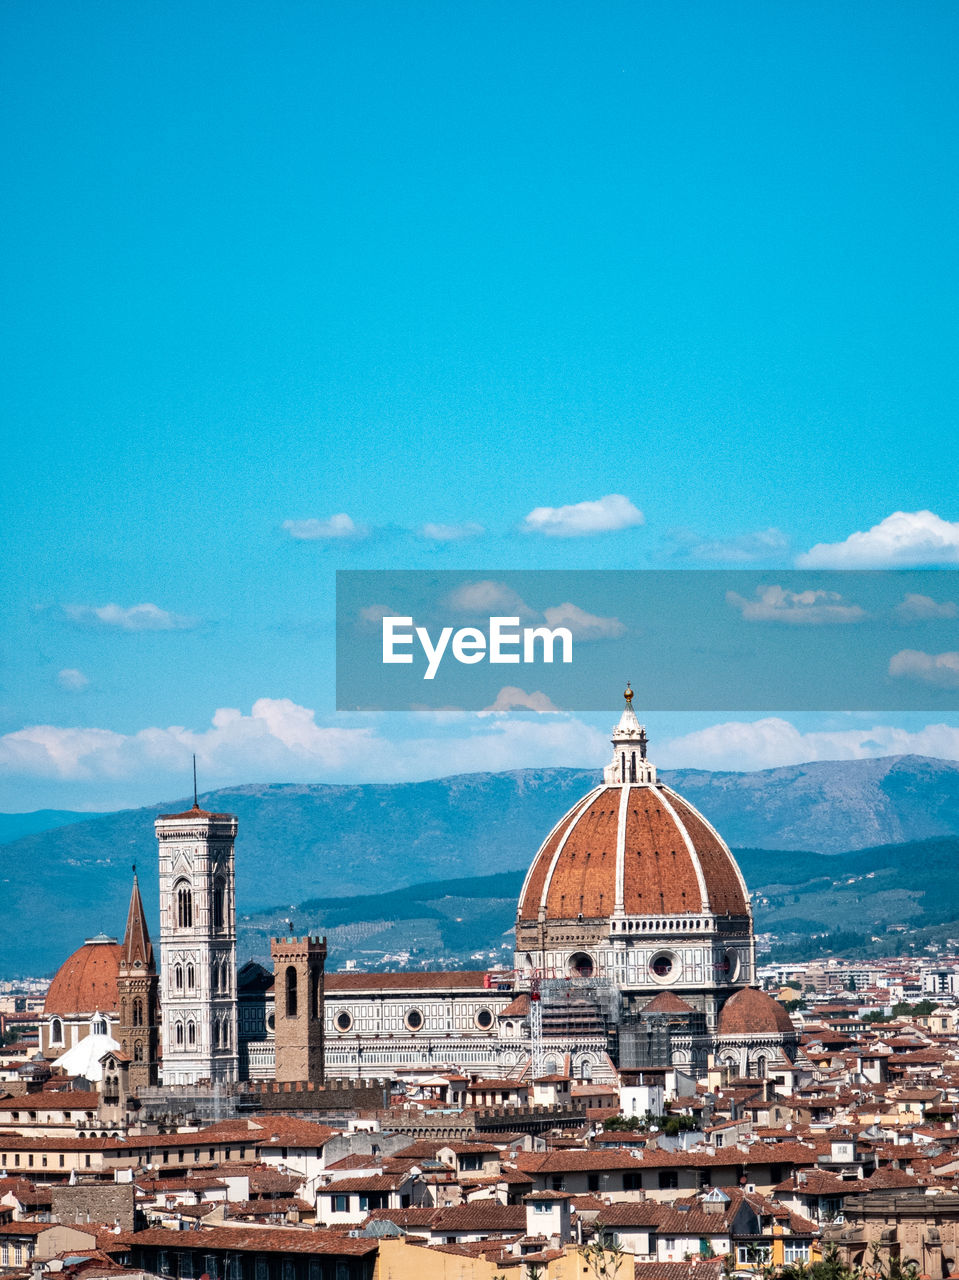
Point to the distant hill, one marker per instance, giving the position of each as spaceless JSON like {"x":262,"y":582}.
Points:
{"x":829,"y":806}
{"x":299,"y":842}
{"x":15,"y":825}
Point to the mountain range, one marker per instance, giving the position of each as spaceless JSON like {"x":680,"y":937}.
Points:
{"x":299,"y":842}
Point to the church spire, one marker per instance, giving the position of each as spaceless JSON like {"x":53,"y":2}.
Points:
{"x":137,"y":950}
{"x":629,"y":763}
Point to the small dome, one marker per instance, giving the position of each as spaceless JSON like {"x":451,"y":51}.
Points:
{"x":667,"y":1002}
{"x":753,"y":1012}
{"x":86,"y":982}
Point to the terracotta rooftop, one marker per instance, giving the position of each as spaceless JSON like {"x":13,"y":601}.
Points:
{"x":52,"y":1100}
{"x":198,"y":813}
{"x":243,"y":1240}
{"x":404,"y":981}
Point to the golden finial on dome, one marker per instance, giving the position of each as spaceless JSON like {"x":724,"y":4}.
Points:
{"x":628,"y":693}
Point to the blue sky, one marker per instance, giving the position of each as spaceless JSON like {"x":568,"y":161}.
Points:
{"x":435,"y":265}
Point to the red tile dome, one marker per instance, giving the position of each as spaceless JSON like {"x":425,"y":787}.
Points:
{"x":753,"y":1012}
{"x":632,"y":849}
{"x":86,"y":982}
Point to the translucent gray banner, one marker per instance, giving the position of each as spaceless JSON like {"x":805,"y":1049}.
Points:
{"x":715,"y":640}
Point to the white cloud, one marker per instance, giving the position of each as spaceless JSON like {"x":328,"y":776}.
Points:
{"x":488,"y":598}
{"x":279,"y":738}
{"x":313,"y":530}
{"x":917,"y":608}
{"x":581,"y":519}
{"x":905,"y":538}
{"x":450,"y":532}
{"x":371,"y":617}
{"x":583,"y":625}
{"x":940,"y":669}
{"x":773,"y":743}
{"x":72,"y":679}
{"x":776,"y":604}
{"x":138,"y":617}
{"x":275,"y":733}
{"x":511,"y":698}
{"x":764,"y":544}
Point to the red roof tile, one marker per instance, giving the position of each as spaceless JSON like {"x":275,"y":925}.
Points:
{"x":672,"y":861}
{"x":86,"y":982}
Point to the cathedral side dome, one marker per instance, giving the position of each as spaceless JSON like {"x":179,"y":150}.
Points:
{"x":86,"y":982}
{"x":753,"y":1012}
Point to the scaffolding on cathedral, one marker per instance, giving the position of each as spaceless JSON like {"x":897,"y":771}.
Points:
{"x":565,"y":1010}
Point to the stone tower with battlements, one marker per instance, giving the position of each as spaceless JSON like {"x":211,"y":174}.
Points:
{"x":298,"y":968}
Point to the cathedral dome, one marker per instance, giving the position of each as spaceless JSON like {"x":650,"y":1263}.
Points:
{"x":86,"y":982}
{"x":632,"y":847}
{"x":753,"y":1012}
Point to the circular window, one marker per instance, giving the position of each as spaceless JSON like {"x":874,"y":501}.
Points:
{"x":270,"y":1022}
{"x":581,"y":965}
{"x":729,"y":966}
{"x":414,"y":1019}
{"x":343,"y":1021}
{"x":664,"y":967}
{"x":484,"y":1019}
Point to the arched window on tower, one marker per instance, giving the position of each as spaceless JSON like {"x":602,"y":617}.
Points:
{"x":290,"y":991}
{"x":178,"y":1033}
{"x":190,"y":977}
{"x":215,"y":977}
{"x":184,"y":905}
{"x":138,"y":1051}
{"x":216,"y":1034}
{"x":219,"y":903}
{"x":225,"y":977}
{"x":178,"y":977}
{"x":138,"y":1012}
{"x":622,"y":765}
{"x":632,"y":767}
{"x":314,"y":993}
{"x":191,"y":1033}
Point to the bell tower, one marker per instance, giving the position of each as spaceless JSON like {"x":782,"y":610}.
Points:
{"x":138,"y":998}
{"x":299,"y":967}
{"x":198,"y":946}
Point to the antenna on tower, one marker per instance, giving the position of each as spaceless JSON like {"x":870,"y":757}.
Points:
{"x":196,"y":798}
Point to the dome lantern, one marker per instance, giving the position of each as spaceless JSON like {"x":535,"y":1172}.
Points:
{"x":629,"y":763}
